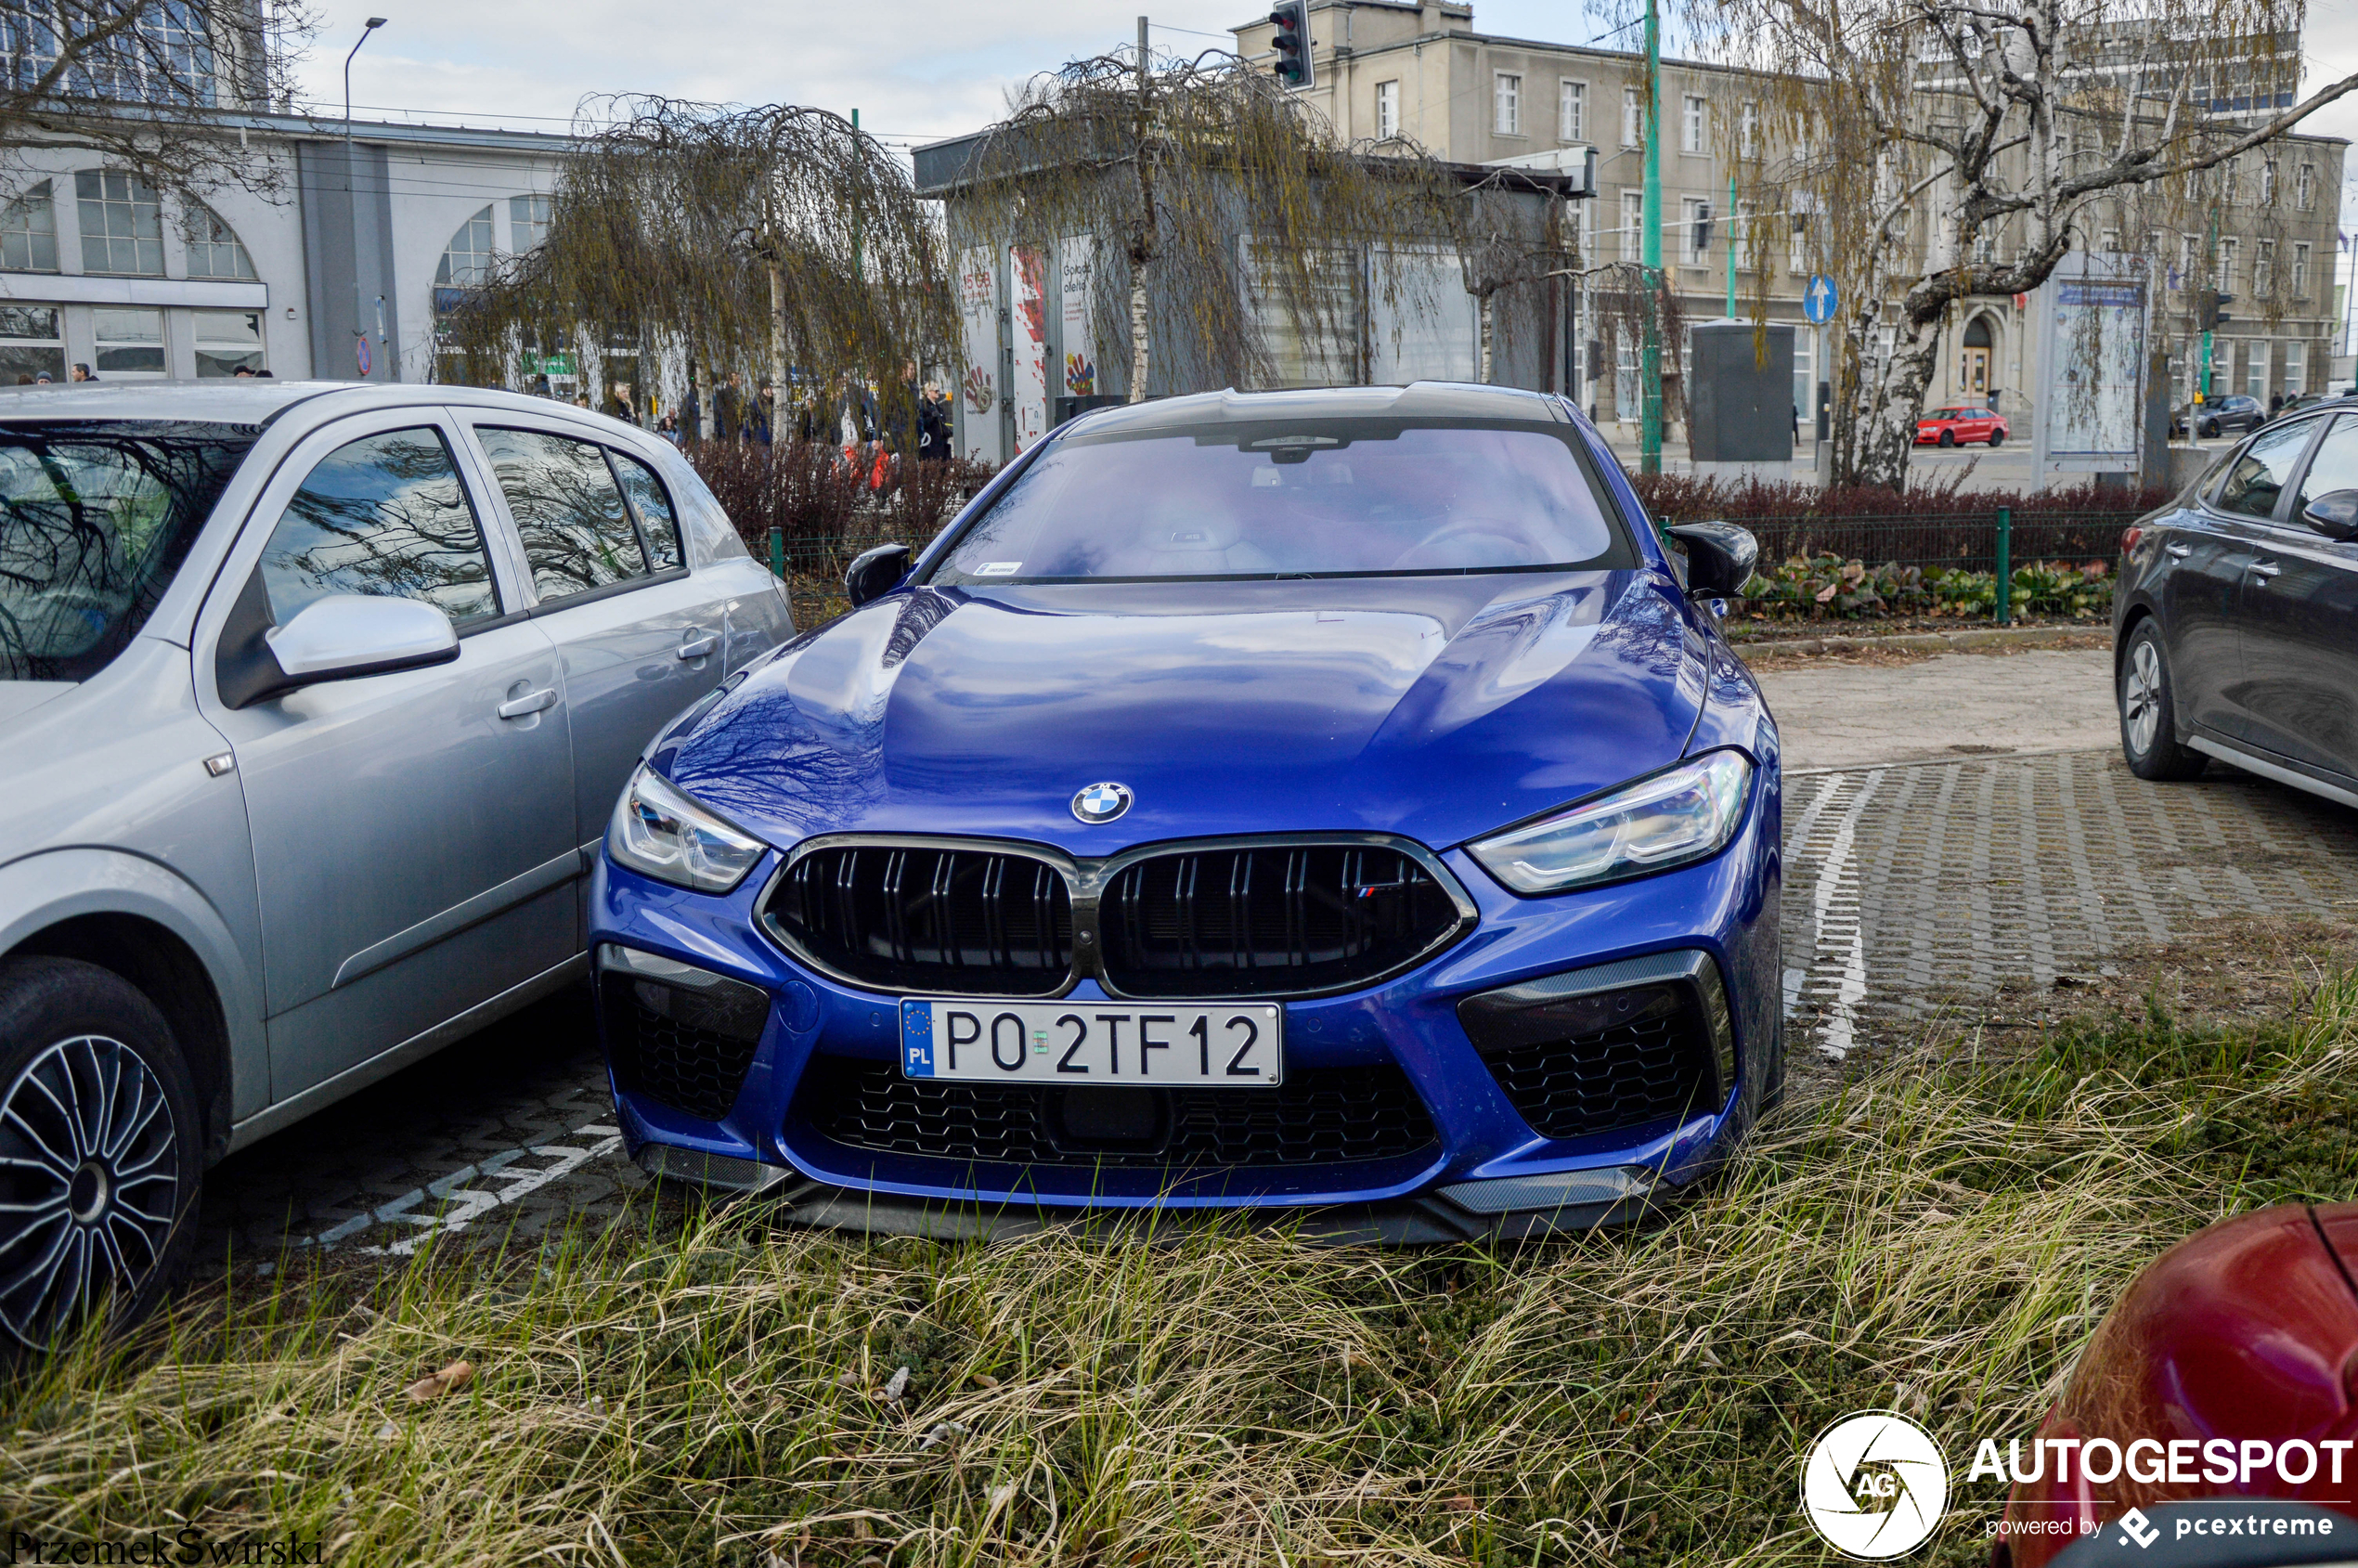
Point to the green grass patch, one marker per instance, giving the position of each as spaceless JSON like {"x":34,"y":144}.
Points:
{"x":702,"y":1387}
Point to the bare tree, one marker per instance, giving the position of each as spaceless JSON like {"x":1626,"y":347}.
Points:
{"x":1955,"y":149}
{"x":131,"y":81}
{"x":1234,"y":207}
{"x":778,"y":236}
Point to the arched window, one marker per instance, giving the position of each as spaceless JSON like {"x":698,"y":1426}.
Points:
{"x":29,"y":232}
{"x":466,"y":261}
{"x":214,"y":250}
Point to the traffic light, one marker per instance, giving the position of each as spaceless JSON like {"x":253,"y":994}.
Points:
{"x":1291,"y":18}
{"x":2209,"y":311}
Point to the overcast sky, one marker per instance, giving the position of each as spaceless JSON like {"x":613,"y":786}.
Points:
{"x":916,"y":69}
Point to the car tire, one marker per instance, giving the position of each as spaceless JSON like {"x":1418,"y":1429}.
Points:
{"x":100,"y":1152}
{"x":1997,"y":438}
{"x":1948,"y":437}
{"x":2148,"y":713}
{"x":2210,"y":430}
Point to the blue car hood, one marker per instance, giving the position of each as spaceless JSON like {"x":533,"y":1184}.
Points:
{"x":1438,"y":707}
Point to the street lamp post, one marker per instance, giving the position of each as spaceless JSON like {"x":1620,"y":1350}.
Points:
{"x":352,"y":212}
{"x":1650,"y":257}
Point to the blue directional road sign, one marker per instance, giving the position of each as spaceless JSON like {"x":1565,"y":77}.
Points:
{"x":1817,"y":301}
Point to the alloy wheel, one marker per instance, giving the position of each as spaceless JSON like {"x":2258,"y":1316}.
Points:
{"x":89,"y":1183}
{"x":2140,"y":697}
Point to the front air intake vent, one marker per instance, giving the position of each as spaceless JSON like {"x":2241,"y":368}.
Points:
{"x":977,"y":921}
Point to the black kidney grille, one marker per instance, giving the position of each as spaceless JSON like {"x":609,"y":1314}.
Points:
{"x":696,"y":1070}
{"x":1317,"y":1117}
{"x":1621,"y":1076}
{"x":972,"y":921}
{"x":1269,"y":919}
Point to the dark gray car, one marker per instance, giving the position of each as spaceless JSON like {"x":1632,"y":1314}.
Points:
{"x":317,"y":699}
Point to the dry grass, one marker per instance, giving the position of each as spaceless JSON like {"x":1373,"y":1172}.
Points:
{"x":705,"y":1388}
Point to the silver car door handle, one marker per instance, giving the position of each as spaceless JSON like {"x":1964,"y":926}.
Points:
{"x":2179,"y":552}
{"x":2263,"y":570}
{"x":699,"y":647}
{"x":530,"y":703}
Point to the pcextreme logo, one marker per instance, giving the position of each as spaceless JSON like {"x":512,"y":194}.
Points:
{"x":1874,"y":1484}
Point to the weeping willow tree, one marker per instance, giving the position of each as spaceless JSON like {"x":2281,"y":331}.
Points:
{"x":1249,"y":236}
{"x":778,"y":239}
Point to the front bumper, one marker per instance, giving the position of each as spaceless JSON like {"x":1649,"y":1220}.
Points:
{"x":1484,"y":1169}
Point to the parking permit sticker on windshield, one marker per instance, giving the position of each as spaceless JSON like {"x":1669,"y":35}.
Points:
{"x":998,"y":569}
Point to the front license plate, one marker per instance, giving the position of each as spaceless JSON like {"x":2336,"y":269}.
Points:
{"x":1235,"y":1046}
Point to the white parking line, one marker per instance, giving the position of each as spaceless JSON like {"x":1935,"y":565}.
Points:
{"x":458,"y":1204}
{"x":1838,"y":964}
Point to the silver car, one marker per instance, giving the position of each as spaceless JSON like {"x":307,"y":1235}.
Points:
{"x":316,"y":701}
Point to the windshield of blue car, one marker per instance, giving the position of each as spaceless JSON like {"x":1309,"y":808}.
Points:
{"x":1325,"y":499}
{"x":94,"y":519}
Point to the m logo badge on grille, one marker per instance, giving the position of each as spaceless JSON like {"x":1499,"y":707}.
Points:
{"x":1102,"y":802}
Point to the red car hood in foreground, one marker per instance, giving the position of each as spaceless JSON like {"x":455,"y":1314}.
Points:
{"x":2246,"y":1330}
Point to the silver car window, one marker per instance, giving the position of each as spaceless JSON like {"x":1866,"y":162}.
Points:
{"x":2336,"y":465}
{"x":656,"y":520}
{"x":569,"y":513}
{"x":385,"y":514}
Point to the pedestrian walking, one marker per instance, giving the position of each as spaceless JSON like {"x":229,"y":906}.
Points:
{"x":933,"y":425}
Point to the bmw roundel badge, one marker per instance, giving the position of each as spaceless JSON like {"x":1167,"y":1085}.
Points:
{"x":1102,"y":802}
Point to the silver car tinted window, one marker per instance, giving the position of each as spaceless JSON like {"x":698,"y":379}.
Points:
{"x":576,"y":531}
{"x":654,"y":507}
{"x":385,"y":514}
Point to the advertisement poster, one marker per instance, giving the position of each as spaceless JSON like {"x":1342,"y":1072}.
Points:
{"x":1077,"y":258}
{"x":977,"y":395}
{"x":1027,"y":396}
{"x":2092,"y":340}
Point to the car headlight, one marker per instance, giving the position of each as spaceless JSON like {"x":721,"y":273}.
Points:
{"x":1684,"y":814}
{"x":658,"y":830}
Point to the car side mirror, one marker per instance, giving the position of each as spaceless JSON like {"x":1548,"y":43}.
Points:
{"x":347,"y":635}
{"x":2333,"y":514}
{"x":1719,"y":558}
{"x":874,"y":573}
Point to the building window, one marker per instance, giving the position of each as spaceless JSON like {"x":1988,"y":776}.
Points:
{"x":122,"y":223}
{"x":1985,"y":248}
{"x":2227,"y":265}
{"x":1748,"y":133}
{"x":1572,"y":111}
{"x":1633,"y":222}
{"x":2296,"y":368}
{"x":1695,"y":228}
{"x":2228,"y":180}
{"x":2189,"y":247}
{"x":214,"y":250}
{"x":2256,"y":371}
{"x":1633,"y":117}
{"x":30,"y":344}
{"x":466,"y":261}
{"x":2108,"y":240}
{"x":130,"y":342}
{"x":1693,"y":124}
{"x":527,"y":221}
{"x":2301,"y":271}
{"x":2304,"y":187}
{"x":227,"y":340}
{"x":1506,"y":104}
{"x":2268,"y":182}
{"x":29,"y":232}
{"x":1387,"y":111}
{"x":1740,"y":236}
{"x":1798,"y":258}
{"x":2263,"y":267}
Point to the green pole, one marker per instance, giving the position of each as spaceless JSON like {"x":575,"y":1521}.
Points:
{"x":778,"y":553}
{"x":1730,"y":224}
{"x":2210,"y":270}
{"x":1650,"y":257}
{"x":2005,"y":566}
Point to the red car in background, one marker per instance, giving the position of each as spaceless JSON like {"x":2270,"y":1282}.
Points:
{"x":2243,"y":1337}
{"x":1953,"y":427}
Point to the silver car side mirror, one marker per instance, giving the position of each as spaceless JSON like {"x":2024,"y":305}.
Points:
{"x":345,"y":635}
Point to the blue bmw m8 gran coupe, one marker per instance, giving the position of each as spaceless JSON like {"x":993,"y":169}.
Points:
{"x":1336,"y":806}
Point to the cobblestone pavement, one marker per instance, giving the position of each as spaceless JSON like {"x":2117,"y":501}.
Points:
{"x":1906,"y":885}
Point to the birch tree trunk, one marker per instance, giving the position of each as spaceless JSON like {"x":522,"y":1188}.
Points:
{"x":1140,"y":354}
{"x":777,"y":348}
{"x":1486,"y":317}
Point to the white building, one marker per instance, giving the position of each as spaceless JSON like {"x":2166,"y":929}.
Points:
{"x":333,"y":275}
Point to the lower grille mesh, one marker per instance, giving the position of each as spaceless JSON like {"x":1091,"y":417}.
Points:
{"x":695,"y":1070}
{"x":1317,"y":1117}
{"x":1621,"y":1076}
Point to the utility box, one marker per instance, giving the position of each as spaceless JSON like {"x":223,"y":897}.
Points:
{"x":1740,"y":413}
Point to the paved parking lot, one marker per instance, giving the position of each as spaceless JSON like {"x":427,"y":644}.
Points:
{"x":1910,"y":884}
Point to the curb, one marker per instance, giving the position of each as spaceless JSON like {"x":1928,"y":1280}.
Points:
{"x":1928,"y":641}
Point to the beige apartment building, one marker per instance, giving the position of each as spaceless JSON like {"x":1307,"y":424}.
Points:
{"x":1389,"y":68}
